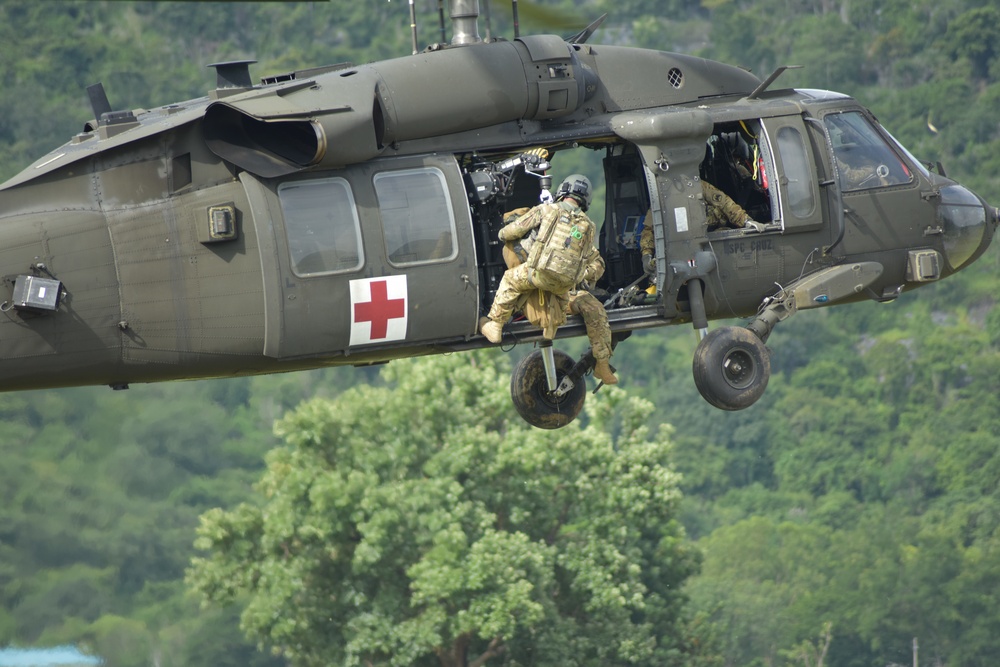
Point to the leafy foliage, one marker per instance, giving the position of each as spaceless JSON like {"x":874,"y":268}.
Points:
{"x":427,"y":524}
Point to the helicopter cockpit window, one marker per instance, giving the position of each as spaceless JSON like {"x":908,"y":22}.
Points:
{"x":418,"y":221}
{"x":864,"y":159}
{"x":321,"y":222}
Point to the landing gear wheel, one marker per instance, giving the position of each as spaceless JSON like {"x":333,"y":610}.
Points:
{"x":534,"y":402}
{"x":731,"y":368}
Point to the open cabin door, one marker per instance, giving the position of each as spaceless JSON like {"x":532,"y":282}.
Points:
{"x":625,"y":215}
{"x":367,"y":259}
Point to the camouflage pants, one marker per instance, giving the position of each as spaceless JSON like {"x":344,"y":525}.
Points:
{"x":519,"y":281}
{"x":595,"y":318}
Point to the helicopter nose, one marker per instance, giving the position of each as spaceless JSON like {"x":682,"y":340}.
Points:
{"x":968,"y":225}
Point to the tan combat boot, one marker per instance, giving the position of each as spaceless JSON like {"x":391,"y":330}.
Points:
{"x":491,"y":329}
{"x":602,"y":371}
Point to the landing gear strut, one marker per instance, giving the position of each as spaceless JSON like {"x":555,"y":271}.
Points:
{"x":732,"y":365}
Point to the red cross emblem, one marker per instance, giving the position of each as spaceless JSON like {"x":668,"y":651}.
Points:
{"x":378,"y":310}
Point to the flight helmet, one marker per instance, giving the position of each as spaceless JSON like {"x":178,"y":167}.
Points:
{"x":576,"y":186}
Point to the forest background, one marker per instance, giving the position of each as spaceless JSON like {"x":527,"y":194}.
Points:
{"x":860,"y":497}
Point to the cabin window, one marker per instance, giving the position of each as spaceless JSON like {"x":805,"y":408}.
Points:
{"x":801,"y":200}
{"x":737,"y":161}
{"x":417,"y":218}
{"x":321,"y":222}
{"x":863,"y":158}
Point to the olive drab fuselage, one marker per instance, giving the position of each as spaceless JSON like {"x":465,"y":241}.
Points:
{"x":349,"y":215}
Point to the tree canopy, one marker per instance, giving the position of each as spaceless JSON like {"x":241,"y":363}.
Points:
{"x":426,"y":524}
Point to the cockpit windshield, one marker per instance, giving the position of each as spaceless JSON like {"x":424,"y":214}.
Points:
{"x":915,"y":161}
{"x":864,"y":159}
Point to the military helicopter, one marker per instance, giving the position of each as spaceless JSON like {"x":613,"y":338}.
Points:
{"x":348,"y":214}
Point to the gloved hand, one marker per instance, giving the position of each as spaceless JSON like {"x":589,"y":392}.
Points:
{"x":648,"y":264}
{"x":753,"y":225}
{"x":511,"y":216}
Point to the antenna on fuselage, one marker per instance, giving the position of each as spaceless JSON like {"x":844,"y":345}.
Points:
{"x":413,"y":26}
{"x":517,"y":24}
{"x":98,"y":100}
{"x":769,"y":80}
{"x":586,"y":33}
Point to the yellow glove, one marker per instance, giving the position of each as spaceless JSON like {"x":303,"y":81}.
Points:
{"x":542,"y":153}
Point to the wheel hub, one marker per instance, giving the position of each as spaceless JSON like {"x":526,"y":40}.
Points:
{"x":738,"y":369}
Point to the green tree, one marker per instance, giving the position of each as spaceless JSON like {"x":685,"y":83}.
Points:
{"x":974,"y":35}
{"x":426,"y":524}
{"x":764,"y":582}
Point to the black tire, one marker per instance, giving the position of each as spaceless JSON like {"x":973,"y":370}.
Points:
{"x":531,"y":395}
{"x":731,"y":368}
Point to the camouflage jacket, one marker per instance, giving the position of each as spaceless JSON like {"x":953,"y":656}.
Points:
{"x":564,"y":243}
{"x":721,"y":211}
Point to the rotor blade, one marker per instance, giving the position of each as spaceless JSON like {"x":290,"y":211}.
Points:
{"x":585,"y":34}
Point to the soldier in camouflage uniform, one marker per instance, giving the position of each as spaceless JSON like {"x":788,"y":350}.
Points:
{"x":561,"y":257}
{"x":859,"y":177}
{"x":722,"y":211}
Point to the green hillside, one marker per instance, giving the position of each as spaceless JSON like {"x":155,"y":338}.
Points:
{"x":854,"y":508}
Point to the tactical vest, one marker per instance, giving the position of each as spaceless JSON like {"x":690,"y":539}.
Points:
{"x":565,"y":238}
